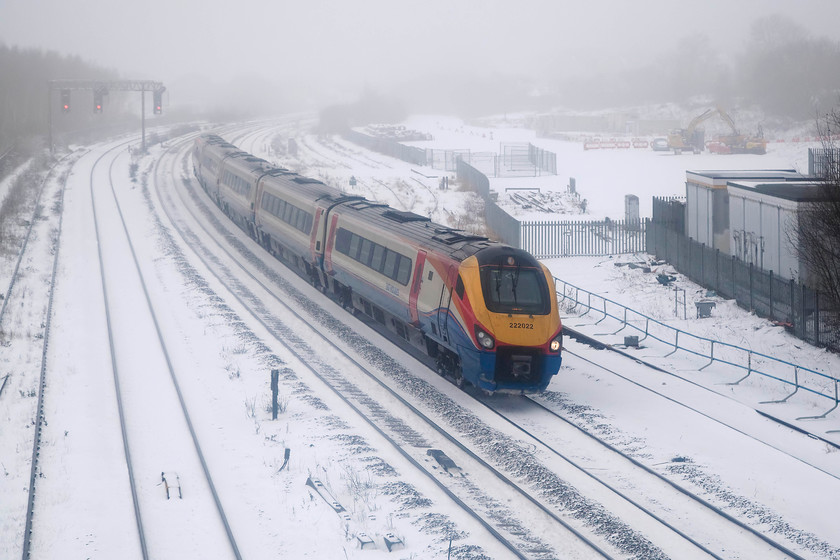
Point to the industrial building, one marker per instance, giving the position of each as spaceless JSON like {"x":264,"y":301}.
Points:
{"x":763,"y":221}
{"x":750,"y":214}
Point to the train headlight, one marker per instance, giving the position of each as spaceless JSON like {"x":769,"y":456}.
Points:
{"x":485,"y":340}
{"x":556,"y":344}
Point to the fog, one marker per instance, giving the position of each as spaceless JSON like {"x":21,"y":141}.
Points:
{"x":304,"y":54}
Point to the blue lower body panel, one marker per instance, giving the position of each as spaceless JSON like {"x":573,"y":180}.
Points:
{"x":509,"y":369}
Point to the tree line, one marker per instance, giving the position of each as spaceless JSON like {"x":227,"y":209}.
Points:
{"x":24,"y":91}
{"x":781,"y":67}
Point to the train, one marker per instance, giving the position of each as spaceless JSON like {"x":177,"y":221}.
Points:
{"x":480,"y":312}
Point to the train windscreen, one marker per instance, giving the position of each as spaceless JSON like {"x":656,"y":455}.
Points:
{"x":515,"y":290}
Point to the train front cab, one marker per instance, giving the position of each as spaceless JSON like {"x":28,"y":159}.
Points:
{"x":515,"y":344}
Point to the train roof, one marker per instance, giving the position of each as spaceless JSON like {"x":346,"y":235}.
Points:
{"x":310,"y":188}
{"x":456,"y":243}
{"x":441,"y":239}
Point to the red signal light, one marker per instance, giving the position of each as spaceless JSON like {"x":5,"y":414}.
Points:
{"x":158,"y":101}
{"x":65,"y":100}
{"x":98,"y":93}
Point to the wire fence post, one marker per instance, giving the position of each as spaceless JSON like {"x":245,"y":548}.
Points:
{"x":749,"y":369}
{"x":676,"y":344}
{"x":711,"y":357}
{"x":824,"y":414}
{"x":275,"y":378}
{"x":795,"y":382}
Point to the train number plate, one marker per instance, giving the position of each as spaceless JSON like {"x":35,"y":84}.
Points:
{"x":522,"y":326}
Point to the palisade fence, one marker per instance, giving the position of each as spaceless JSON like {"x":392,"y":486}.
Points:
{"x":553,"y":239}
{"x":824,"y":162}
{"x":805,"y":312}
{"x":547,"y":240}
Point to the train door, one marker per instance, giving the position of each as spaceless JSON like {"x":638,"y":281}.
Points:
{"x":419,"y":265}
{"x":445,"y":303}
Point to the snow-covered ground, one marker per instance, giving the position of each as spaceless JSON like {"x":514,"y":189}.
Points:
{"x":786,"y":482}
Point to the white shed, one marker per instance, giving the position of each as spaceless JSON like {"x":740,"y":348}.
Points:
{"x":763,"y":221}
{"x":707,"y":202}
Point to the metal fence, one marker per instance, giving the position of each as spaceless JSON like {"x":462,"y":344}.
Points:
{"x":503,"y":225}
{"x":824,"y":163}
{"x":592,"y":238}
{"x":387,"y":146}
{"x":803,"y":311}
{"x":580,"y":302}
{"x":552,"y":239}
{"x":474,"y":179}
{"x":446,"y":160}
{"x":669,"y":212}
{"x":516,"y":159}
{"x":543,"y":159}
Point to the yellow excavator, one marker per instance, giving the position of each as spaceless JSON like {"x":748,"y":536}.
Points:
{"x":693,"y":138}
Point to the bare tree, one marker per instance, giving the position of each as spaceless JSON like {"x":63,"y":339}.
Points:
{"x":819,"y":222}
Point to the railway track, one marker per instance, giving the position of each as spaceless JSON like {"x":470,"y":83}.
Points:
{"x":707,"y":551}
{"x":733,"y":537}
{"x":363,"y":390}
{"x":143,"y":379}
{"x":666,"y":504}
{"x":26,"y":290}
{"x":157,"y":430}
{"x":409,"y":414}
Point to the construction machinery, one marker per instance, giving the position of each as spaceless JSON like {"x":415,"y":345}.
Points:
{"x":693,"y":137}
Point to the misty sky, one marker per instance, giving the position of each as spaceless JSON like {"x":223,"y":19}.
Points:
{"x":349,"y":44}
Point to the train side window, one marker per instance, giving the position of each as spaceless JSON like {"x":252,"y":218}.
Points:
{"x":287,"y":213}
{"x":390,"y":264}
{"x":280,"y":208}
{"x":342,"y":241}
{"x":403,"y":270}
{"x":378,"y":253}
{"x":459,"y":287}
{"x":364,"y":256}
{"x":355,"y":243}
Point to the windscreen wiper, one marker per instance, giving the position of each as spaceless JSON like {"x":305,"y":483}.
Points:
{"x":515,"y":282}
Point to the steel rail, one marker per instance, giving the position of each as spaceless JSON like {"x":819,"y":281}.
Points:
{"x":172,"y":374}
{"x":590,"y":341}
{"x":126,"y":448}
{"x":28,"y":233}
{"x":664,"y":479}
{"x":306,"y":363}
{"x":42,"y":381}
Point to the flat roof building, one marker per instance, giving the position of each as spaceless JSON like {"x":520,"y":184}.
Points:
{"x":707,"y":202}
{"x":764,"y":223}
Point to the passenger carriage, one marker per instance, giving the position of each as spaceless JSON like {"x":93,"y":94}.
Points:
{"x":482,"y":312}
